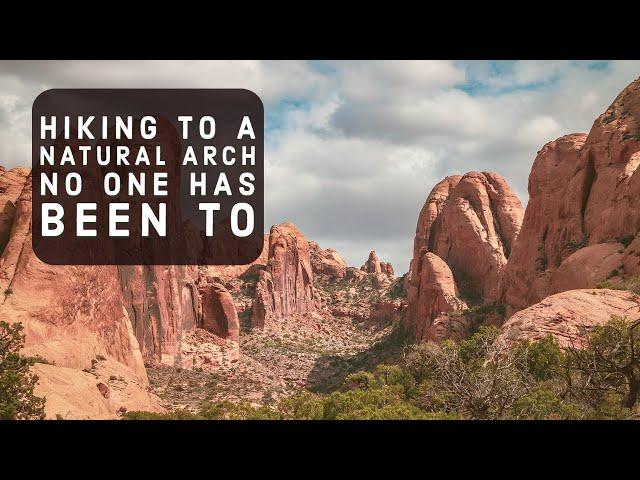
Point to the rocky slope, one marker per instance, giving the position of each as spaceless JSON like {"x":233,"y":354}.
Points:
{"x":353,"y":314}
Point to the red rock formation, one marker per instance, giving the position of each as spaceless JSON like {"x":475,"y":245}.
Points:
{"x":73,"y":316}
{"x":217,"y":313}
{"x":161,"y":302}
{"x":381,"y":270}
{"x":387,"y":268}
{"x":372,"y":265}
{"x":584,"y":191}
{"x":126,"y":315}
{"x":285,"y":287}
{"x":388,"y":311}
{"x":564,"y":315}
{"x":587,"y":266}
{"x":11,"y":184}
{"x":469,"y":224}
{"x":326,"y":261}
{"x":436,"y":296}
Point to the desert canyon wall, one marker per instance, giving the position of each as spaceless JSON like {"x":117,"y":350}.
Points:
{"x":583,"y":216}
{"x":478,"y":258}
{"x":464,"y":236}
{"x":285,"y":286}
{"x":92,"y":323}
{"x":581,"y":227}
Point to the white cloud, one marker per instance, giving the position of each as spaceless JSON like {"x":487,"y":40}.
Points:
{"x":355,"y":147}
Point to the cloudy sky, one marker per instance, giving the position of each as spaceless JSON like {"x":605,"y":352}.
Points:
{"x":353,"y":148}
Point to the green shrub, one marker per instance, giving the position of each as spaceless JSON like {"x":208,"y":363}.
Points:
{"x":17,"y":381}
{"x":626,"y":240}
{"x":543,"y":359}
{"x":304,"y":406}
{"x":621,"y":283}
{"x":243,"y":410}
{"x":178,"y":414}
{"x":609,"y":366}
{"x":544,"y":404}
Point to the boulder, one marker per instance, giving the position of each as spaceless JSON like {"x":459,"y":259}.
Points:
{"x":327,"y":261}
{"x":217,"y":312}
{"x":588,"y":267}
{"x":566,"y":315}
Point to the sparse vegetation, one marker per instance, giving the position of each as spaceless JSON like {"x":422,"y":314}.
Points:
{"x":397,"y":289}
{"x":626,"y":240}
{"x":619,"y":282}
{"x":576,"y":245}
{"x":17,"y":381}
{"x":478,"y":378}
{"x":541,"y":261}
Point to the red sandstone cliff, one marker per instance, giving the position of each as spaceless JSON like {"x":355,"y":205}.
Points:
{"x":285,"y":287}
{"x":464,"y":236}
{"x":583,"y":216}
{"x":102,"y":321}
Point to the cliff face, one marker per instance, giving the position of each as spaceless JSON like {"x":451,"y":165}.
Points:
{"x":161,"y":302}
{"x":285,"y":287}
{"x":71,"y":313}
{"x":465,"y":232}
{"x":581,"y":225}
{"x":76,"y":318}
{"x":11,"y":185}
{"x":583,"y":216}
{"x":435,"y":298}
{"x":102,"y":319}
